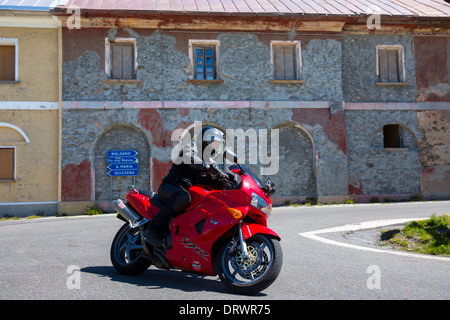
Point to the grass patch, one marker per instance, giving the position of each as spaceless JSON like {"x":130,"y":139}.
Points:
{"x":36,"y":216}
{"x":8,"y":217}
{"x":431,"y":236}
{"x":93,"y":211}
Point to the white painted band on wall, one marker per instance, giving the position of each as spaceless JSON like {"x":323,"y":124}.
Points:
{"x":27,"y":203}
{"x":412,"y":106}
{"x":195,"y":104}
{"x":29,"y":105}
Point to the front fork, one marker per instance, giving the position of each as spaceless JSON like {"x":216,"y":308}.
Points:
{"x":243,"y":245}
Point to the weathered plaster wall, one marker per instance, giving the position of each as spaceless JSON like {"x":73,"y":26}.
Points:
{"x":325,"y":151}
{"x":35,"y":189}
{"x":163,"y":68}
{"x":432,"y":59}
{"x":359,"y":69}
{"x":435,"y":153}
{"x":374,"y":170}
{"x":300,"y":145}
{"x":37,"y":161}
{"x":38,"y":65}
{"x":312,"y":141}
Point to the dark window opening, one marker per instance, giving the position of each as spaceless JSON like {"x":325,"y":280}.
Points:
{"x":205,"y":67}
{"x":392,"y":136}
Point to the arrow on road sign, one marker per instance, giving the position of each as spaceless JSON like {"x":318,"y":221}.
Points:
{"x":123,"y":173}
{"x":123,"y":166}
{"x":122,"y":153}
{"x":122,"y":160}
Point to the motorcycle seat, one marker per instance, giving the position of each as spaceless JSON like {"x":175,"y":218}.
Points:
{"x":153,"y":196}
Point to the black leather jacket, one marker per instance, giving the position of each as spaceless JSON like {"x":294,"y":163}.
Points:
{"x":186,"y":171}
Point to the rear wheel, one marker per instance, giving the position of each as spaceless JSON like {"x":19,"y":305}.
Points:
{"x":252,"y":274}
{"x":127,"y":252}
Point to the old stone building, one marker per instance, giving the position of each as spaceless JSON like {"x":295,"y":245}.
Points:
{"x":359,"y":93}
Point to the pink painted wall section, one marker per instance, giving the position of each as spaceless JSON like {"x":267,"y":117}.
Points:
{"x":77,"y":182}
{"x":333,"y":124}
{"x":432,"y":56}
{"x":150,"y":120}
{"x":159,"y":169}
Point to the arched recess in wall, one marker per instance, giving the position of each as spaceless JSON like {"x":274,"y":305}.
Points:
{"x":10,"y":127}
{"x":120,"y":137}
{"x":297,"y":174}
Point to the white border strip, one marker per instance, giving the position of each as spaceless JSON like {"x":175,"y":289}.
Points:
{"x":367,"y":225}
{"x":412,"y":106}
{"x":29,"y":105}
{"x":195,"y":104}
{"x":27,"y":203}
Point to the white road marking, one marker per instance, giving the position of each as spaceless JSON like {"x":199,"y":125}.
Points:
{"x":367,"y":225}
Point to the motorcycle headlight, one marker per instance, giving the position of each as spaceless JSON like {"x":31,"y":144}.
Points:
{"x":261,"y":204}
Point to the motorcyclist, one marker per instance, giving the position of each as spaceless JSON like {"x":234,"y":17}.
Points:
{"x":182,"y":175}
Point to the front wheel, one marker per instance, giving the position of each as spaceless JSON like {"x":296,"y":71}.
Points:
{"x":127,"y":252}
{"x":252,"y":274}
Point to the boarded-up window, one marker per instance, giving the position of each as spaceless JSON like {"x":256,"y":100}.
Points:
{"x":7,"y":63}
{"x":122,"y":60}
{"x":285,"y":62}
{"x":392,"y":136}
{"x":7,"y":165}
{"x":390,"y":67}
{"x":205,"y":66}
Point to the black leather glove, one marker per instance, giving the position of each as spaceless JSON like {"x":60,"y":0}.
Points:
{"x":214,"y":170}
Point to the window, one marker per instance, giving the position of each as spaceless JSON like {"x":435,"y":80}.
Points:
{"x":286,"y":61}
{"x":390,"y":64}
{"x":8,"y":59}
{"x":204,"y":55}
{"x":121,"y":58}
{"x":205,"y":63}
{"x":7,"y":163}
{"x":392,"y":136}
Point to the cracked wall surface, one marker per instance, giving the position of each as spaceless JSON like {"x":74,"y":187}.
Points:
{"x":326,"y":150}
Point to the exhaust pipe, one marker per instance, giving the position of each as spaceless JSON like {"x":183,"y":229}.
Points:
{"x":126,"y":212}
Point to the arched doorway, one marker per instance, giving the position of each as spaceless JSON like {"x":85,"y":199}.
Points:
{"x":120,"y":137}
{"x":296,"y":176}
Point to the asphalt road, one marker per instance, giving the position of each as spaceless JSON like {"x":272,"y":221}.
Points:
{"x":68,"y":258}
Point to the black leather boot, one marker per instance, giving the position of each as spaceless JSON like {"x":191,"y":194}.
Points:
{"x":152,"y":237}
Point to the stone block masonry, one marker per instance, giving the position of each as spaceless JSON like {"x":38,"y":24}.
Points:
{"x":148,"y":131}
{"x":331,"y":120}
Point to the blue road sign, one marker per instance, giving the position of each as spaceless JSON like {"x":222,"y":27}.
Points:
{"x":122,"y":160}
{"x":122,"y":163}
{"x":122,"y":173}
{"x":123,"y":166}
{"x":122,"y":153}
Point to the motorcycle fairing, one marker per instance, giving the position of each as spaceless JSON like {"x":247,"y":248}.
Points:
{"x":195,"y":232}
{"x":250,"y":229}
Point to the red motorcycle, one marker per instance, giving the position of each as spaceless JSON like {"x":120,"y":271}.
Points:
{"x":222,"y":232}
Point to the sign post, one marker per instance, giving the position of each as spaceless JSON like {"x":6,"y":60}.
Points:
{"x":121,"y":163}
